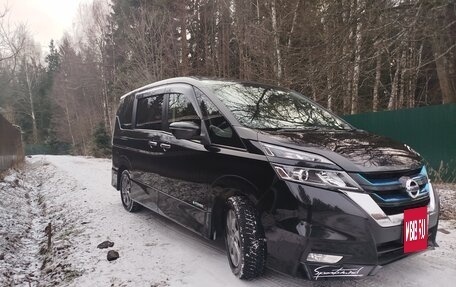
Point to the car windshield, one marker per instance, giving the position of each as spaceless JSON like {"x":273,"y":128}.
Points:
{"x":270,"y":108}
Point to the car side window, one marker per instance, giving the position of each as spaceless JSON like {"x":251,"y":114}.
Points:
{"x":149,"y":113}
{"x":181,"y":109}
{"x":220,"y":131}
{"x":125,"y":112}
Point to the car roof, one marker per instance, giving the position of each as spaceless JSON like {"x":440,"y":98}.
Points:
{"x":195,"y":81}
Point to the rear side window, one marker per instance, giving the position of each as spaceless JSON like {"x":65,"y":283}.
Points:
{"x":149,"y":113}
{"x":181,"y":109}
{"x":125,"y":112}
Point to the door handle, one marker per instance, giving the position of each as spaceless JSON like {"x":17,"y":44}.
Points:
{"x":153,"y":144}
{"x":165,"y":146}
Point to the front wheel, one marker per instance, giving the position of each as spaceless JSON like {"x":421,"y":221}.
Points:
{"x":125,"y":189}
{"x":244,"y":239}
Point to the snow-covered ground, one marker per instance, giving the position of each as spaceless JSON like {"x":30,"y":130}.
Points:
{"x":74,"y":195}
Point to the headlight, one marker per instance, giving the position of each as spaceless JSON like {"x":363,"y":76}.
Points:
{"x":334,"y":179}
{"x":282,"y":152}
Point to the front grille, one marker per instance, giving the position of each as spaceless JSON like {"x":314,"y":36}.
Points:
{"x":389,"y":192}
{"x":391,"y":175}
{"x":390,"y":210}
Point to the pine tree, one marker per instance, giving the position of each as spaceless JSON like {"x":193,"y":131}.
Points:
{"x":102,"y":141}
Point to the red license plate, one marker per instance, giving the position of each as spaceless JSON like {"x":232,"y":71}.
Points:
{"x":415,"y":229}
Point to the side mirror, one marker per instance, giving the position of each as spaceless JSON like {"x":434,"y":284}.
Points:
{"x":185,"y":130}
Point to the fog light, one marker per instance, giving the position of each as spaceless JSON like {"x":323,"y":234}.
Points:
{"x":323,"y":258}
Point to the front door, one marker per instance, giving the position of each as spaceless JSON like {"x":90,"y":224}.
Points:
{"x":184,"y":193}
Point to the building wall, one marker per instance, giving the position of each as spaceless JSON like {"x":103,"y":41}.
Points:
{"x":11,"y":151}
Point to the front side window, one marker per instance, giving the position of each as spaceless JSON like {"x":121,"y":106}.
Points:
{"x":264,"y":107}
{"x":180,"y":109}
{"x":149,"y":113}
{"x":220,"y":131}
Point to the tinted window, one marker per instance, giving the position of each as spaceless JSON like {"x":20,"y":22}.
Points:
{"x":264,"y":107}
{"x":149,"y":113}
{"x":220,"y":131}
{"x":125,"y":112}
{"x":181,"y":109}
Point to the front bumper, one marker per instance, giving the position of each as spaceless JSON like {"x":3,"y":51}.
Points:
{"x":336,"y":223}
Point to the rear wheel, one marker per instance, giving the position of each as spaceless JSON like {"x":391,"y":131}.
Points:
{"x":125,"y":190}
{"x":244,"y":239}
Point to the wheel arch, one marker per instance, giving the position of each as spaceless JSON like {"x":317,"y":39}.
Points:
{"x":223,"y":188}
{"x":124,"y":164}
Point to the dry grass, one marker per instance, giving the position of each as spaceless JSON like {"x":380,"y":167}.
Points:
{"x":444,"y":174}
{"x":447,"y":193}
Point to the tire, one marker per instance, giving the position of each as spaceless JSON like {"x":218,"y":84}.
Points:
{"x":244,"y":239}
{"x":125,"y":188}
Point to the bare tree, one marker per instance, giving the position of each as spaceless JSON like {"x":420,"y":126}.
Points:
{"x":12,"y":39}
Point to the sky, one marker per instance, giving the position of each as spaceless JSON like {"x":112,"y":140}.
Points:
{"x":45,"y":19}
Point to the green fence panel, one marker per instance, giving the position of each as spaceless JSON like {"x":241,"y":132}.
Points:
{"x":431,"y":131}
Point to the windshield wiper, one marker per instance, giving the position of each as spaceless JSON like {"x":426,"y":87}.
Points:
{"x":344,"y":129}
{"x":289,"y":129}
{"x":302,"y":129}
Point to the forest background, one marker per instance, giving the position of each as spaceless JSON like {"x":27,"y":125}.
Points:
{"x":351,"y":56}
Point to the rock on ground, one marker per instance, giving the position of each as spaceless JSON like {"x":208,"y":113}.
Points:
{"x":112,"y":255}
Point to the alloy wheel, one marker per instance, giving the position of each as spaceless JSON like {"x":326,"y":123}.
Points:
{"x":126,"y":188}
{"x":233,"y":238}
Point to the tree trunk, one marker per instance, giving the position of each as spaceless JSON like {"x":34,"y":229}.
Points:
{"x":392,"y":103}
{"x":402,"y":80}
{"x":106,"y":105}
{"x":276,"y":41}
{"x":413,"y":78}
{"x":258,"y":11}
{"x":347,"y":55}
{"x":67,"y":111}
{"x":444,"y":48}
{"x":378,"y":73}
{"x":183,"y":35}
{"x":32,"y":106}
{"x":356,"y":64}
{"x":330,"y":95}
{"x":444,"y":71}
{"x":293,"y":24}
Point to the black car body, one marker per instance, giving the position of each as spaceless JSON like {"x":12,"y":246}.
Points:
{"x":329,"y":198}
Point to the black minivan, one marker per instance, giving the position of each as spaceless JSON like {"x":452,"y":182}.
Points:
{"x":281,"y":178}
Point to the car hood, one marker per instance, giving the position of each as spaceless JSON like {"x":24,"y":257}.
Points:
{"x":352,"y":150}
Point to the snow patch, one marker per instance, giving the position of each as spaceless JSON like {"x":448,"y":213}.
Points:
{"x":75,"y":196}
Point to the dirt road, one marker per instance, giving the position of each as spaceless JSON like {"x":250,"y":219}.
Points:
{"x":75,"y":196}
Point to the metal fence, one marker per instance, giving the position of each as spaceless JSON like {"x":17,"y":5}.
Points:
{"x":11,"y":151}
{"x":431,"y":131}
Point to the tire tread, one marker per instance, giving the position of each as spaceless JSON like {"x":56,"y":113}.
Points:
{"x":253,"y":242}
